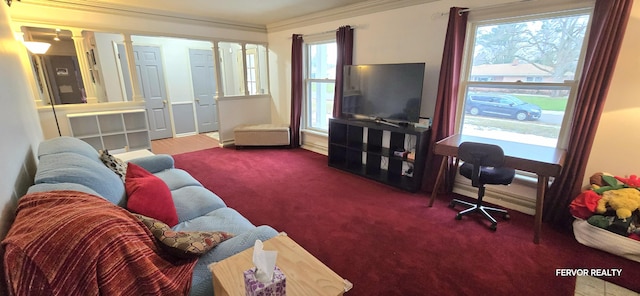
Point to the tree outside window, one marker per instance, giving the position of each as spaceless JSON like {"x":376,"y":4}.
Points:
{"x":522,"y":77}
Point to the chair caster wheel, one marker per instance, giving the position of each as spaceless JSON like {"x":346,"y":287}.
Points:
{"x":506,"y":217}
{"x":493,"y":227}
{"x":458,"y":217}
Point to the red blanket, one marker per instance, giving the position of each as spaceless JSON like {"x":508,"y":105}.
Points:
{"x":72,"y":243}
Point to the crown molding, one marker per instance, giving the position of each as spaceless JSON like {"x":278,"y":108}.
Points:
{"x":357,"y":9}
{"x":98,"y":7}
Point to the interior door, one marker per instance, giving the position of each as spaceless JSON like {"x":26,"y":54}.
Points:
{"x":204,"y":89}
{"x":151,"y":79}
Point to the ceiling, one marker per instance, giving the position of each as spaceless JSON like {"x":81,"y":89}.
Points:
{"x":258,"y":15}
{"x":256,"y":12}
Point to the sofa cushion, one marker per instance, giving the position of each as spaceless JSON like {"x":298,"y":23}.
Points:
{"x":67,"y":167}
{"x":195,"y":201}
{"x":67,"y":144}
{"x":177,"y":178}
{"x":149,"y":196}
{"x":155,"y":163}
{"x":223,"y":219}
{"x":61,"y":186}
{"x":183,"y":244}
{"x":114,"y":164}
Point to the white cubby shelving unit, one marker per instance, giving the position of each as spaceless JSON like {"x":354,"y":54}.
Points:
{"x":123,"y":130}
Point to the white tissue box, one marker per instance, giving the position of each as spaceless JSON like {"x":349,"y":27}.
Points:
{"x":253,"y":287}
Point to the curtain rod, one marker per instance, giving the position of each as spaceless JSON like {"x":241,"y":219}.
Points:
{"x":319,"y":33}
{"x":486,"y":7}
{"x":324,"y":32}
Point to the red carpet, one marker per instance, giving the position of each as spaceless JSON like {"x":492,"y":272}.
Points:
{"x":387,"y":241}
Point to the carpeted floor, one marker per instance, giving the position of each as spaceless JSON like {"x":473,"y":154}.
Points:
{"x":386,"y":241}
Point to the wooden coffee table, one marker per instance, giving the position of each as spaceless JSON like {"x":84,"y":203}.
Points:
{"x":306,"y":275}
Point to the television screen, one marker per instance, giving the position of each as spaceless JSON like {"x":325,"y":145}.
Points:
{"x":391,"y":92}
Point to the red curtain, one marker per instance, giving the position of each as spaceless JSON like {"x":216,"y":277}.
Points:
{"x":296,"y":89}
{"x":609,"y":22}
{"x":444,"y":118}
{"x":344,"y":42}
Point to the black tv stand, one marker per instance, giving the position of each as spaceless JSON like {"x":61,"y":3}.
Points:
{"x":360,"y":147}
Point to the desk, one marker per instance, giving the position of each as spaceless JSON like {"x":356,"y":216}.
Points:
{"x":543,"y":161}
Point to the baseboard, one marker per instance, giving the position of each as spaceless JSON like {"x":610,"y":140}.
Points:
{"x":315,"y":141}
{"x":315,"y":148}
{"x":509,"y":199}
{"x":227,"y":143}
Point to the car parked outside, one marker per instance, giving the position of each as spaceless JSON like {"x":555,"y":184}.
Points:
{"x":501,"y":105}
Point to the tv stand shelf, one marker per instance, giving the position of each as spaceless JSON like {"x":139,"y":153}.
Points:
{"x":366,"y":148}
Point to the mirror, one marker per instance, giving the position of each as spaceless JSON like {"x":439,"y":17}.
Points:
{"x":63,"y":77}
{"x":58,"y":70}
{"x":108,"y":66}
{"x":85,"y":66}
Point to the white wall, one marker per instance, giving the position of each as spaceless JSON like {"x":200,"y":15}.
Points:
{"x":254,"y":111}
{"x":615,"y":149}
{"x":19,"y":128}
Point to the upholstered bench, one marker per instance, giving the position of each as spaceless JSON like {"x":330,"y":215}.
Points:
{"x":261,"y":135}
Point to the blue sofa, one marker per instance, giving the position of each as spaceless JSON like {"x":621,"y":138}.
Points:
{"x":67,"y":163}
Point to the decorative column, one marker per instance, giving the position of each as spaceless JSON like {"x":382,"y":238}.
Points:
{"x":244,"y":69}
{"x":131,"y":63}
{"x":85,"y":65}
{"x":217,"y":66}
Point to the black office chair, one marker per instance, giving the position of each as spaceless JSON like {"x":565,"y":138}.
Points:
{"x":483,"y":164}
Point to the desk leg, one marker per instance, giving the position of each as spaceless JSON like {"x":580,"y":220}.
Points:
{"x":542,"y":188}
{"x":438,"y":180}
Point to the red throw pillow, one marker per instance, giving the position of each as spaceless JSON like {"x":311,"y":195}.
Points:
{"x":148,"y":195}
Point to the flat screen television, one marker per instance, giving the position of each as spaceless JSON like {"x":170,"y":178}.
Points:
{"x":390,"y":92}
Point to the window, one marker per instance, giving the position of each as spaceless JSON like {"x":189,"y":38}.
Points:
{"x":257,"y":77}
{"x":320,"y":83}
{"x":521,"y":77}
{"x":243,"y":69}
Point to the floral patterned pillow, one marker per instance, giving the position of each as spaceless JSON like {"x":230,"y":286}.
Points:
{"x":184,"y":244}
{"x":115,"y":164}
